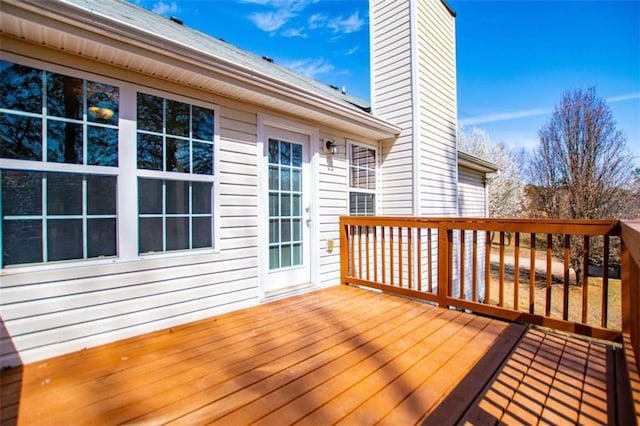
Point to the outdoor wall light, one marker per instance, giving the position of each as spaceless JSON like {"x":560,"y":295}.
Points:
{"x":330,"y":146}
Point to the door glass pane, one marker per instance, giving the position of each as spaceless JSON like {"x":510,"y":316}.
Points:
{"x":285,"y":204}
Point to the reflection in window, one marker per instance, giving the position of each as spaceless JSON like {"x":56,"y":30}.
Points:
{"x":362,"y":180}
{"x":47,"y":118}
{"x":174,"y":215}
{"x":57,"y":216}
{"x":174,"y":136}
{"x":80,"y":117}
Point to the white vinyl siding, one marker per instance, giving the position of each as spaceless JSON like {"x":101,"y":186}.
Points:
{"x":437,"y":106}
{"x":392,"y":99}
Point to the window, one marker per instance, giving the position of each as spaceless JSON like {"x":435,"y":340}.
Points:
{"x":66,"y":191}
{"x":362,"y":180}
{"x":49,"y":212}
{"x":175,"y":146}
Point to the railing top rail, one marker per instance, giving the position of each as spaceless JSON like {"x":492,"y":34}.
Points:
{"x":551,"y":226}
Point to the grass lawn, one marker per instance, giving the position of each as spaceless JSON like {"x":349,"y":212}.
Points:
{"x":575,"y":296}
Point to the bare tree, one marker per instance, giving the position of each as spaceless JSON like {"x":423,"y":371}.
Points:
{"x":581,"y":168}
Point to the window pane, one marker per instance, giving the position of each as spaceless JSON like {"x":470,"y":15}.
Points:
{"x":149,"y":152}
{"x":202,"y":158}
{"x":64,"y":239}
{"x":177,"y":233}
{"x":64,"y":194}
{"x":274,"y":151}
{"x":285,"y":205}
{"x":297,"y":254}
{"x":361,"y":204}
{"x":274,"y":257}
{"x":285,"y":230}
{"x":296,"y":155}
{"x":150,"y":196}
{"x":21,"y":193}
{"x":202,"y":232}
{"x":64,"y":96}
{"x":177,"y":197}
{"x":150,"y":234}
{"x":274,"y":231}
{"x":296,"y":180}
{"x":285,"y":153}
{"x":21,"y":241}
{"x":101,"y":195}
{"x":150,"y":113}
{"x":21,"y":137}
{"x":285,"y":179}
{"x":285,"y":254}
{"x":64,"y":142}
{"x":177,"y":118}
{"x":177,"y":156}
{"x":101,"y":237}
{"x":102,"y":103}
{"x":21,"y":88}
{"x":202,"y":119}
{"x":201,"y":194}
{"x":274,"y":181}
{"x":102,"y":146}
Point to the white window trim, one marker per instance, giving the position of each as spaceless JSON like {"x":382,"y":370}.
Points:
{"x":376,"y":191}
{"x":126,"y":171}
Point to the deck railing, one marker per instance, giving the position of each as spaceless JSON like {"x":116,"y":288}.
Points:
{"x":516,"y":269}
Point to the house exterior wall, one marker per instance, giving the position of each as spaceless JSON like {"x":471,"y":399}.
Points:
{"x":56,"y":308}
{"x":436,"y":79}
{"x":393,"y":98}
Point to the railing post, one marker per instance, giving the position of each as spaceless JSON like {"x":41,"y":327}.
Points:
{"x":344,"y":252}
{"x":445,"y":237}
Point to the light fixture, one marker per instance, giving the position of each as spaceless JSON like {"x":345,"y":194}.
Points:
{"x":330,"y":146}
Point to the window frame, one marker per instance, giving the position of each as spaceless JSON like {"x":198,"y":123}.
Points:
{"x":126,"y":172}
{"x":350,"y":189}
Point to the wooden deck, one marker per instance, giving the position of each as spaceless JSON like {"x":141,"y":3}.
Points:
{"x":340,"y":355}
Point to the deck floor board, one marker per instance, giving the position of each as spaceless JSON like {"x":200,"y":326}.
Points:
{"x":339,"y":355}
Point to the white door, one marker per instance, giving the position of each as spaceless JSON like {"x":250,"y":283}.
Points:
{"x":288,"y":209}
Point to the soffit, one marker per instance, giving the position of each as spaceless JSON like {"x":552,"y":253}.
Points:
{"x":237,"y":75}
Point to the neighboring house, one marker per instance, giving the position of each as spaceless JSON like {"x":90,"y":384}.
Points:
{"x":152,"y":175}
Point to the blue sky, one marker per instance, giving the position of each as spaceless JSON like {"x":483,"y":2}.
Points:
{"x":514,"y":58}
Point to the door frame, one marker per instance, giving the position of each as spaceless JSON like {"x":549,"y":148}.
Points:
{"x":264,"y":121}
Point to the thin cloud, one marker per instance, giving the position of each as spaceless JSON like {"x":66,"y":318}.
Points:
{"x":310,"y":67}
{"x":622,"y":98}
{"x":514,"y":115}
{"x":270,"y":21}
{"x":317,"y":20}
{"x":504,"y":116}
{"x":346,"y":26}
{"x":162,"y":8}
{"x":351,"y":51}
{"x":294,"y":32}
